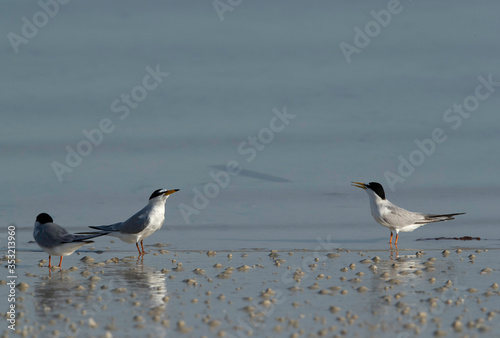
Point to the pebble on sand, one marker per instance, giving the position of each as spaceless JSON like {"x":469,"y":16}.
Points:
{"x":88,"y":260}
{"x":178,"y":268}
{"x":199,"y":271}
{"x":182,"y":327}
{"x":119,"y":290}
{"x":225,"y":274}
{"x":22,"y":286}
{"x":92,"y":323}
{"x":268,"y":293}
{"x":244,"y":268}
{"x":191,"y":281}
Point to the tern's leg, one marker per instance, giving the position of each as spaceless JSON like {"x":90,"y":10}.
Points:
{"x":390,"y":240}
{"x":142,"y":246}
{"x":397,"y":236}
{"x":137,"y":245}
{"x":60,"y":261}
{"x":50,"y":265}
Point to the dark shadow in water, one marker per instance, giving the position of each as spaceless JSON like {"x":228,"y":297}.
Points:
{"x":463,"y":238}
{"x":254,"y":174}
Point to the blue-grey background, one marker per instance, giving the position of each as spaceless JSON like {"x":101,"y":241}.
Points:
{"x":353,"y":120}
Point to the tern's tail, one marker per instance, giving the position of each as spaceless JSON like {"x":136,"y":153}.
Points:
{"x":429,"y":218}
{"x":85,"y":236}
{"x":110,"y":228}
{"x":105,"y":230}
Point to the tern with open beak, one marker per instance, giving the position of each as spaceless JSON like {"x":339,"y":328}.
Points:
{"x":393,"y":217}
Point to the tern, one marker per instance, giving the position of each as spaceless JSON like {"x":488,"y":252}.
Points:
{"x":143,"y":224}
{"x":393,"y":217}
{"x":56,"y":241}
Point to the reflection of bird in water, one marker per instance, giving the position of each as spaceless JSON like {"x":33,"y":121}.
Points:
{"x":149,"y":285}
{"x":52,"y":294}
{"x":402,"y":270}
{"x":394,"y":217}
{"x":402,"y":267}
{"x":86,"y":298}
{"x":389,"y":279}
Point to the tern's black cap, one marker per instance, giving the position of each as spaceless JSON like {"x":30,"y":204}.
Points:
{"x":377,"y":188}
{"x":160,"y":192}
{"x":157,"y":193}
{"x":44,"y":218}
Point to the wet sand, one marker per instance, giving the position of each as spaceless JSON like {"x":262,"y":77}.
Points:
{"x":106,"y":291}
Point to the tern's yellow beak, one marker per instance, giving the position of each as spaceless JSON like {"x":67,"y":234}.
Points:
{"x":358,"y":185}
{"x":168,"y":192}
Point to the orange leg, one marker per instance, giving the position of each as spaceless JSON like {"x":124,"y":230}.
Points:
{"x":50,"y":265}
{"x":142,"y":246}
{"x":396,"y":242}
{"x":137,"y":245}
{"x":60,"y":261}
{"x":390,"y":240}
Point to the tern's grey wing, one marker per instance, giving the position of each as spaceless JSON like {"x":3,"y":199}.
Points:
{"x":50,"y":235}
{"x":136,"y":223}
{"x":399,"y":216}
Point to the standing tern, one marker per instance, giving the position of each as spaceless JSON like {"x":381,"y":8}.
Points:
{"x":394,"y":217}
{"x":143,"y":224}
{"x":56,"y":241}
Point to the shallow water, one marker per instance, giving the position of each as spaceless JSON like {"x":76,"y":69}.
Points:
{"x":275,"y":73}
